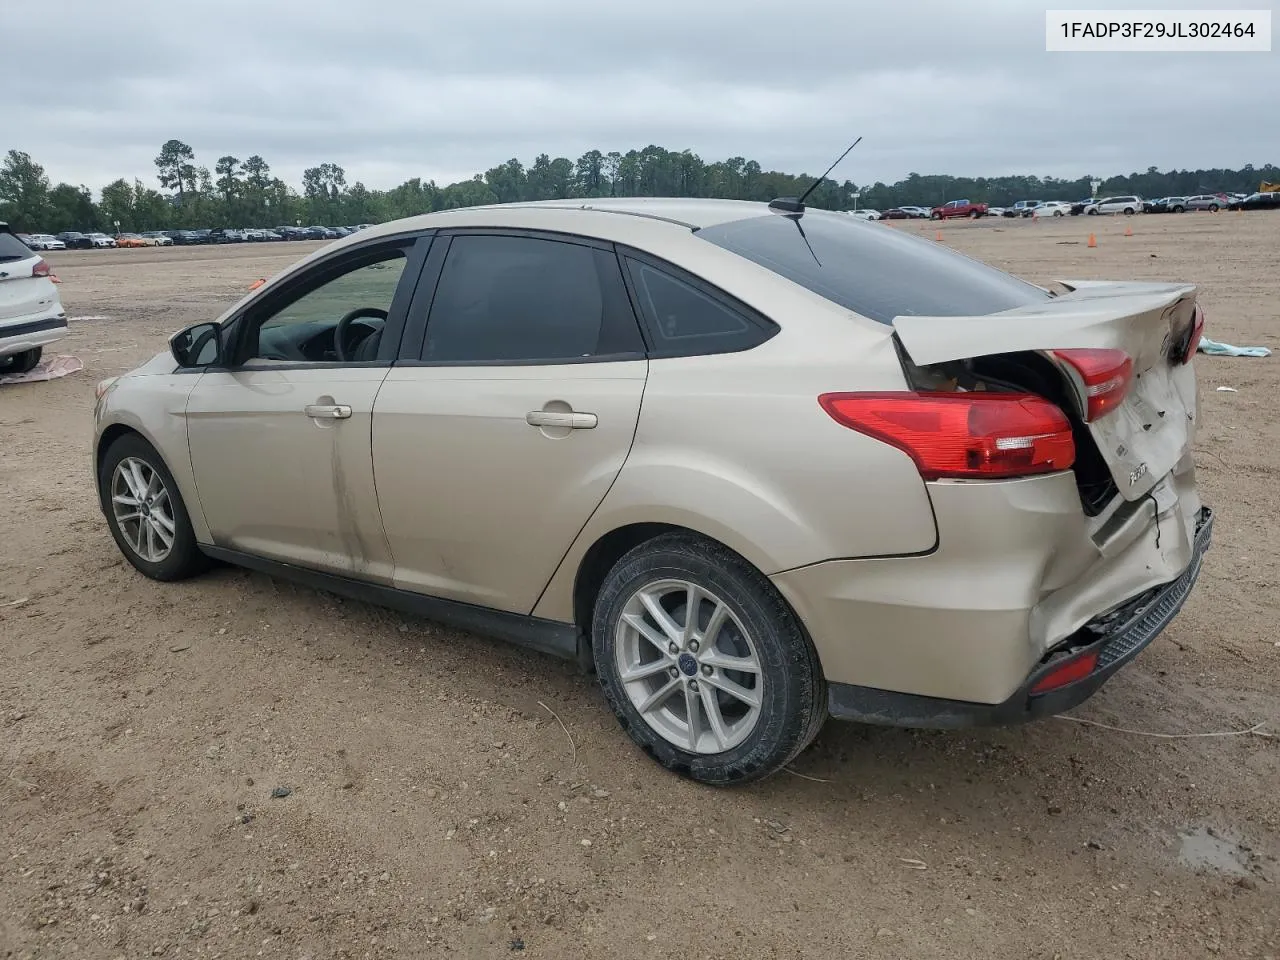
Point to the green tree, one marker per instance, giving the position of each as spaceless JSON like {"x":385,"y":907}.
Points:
{"x":24,"y":192}
{"x":71,"y":208}
{"x":229,"y":184}
{"x":118,"y":205}
{"x":176,"y":168}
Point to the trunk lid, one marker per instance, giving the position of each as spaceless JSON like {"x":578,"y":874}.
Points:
{"x":1145,"y":437}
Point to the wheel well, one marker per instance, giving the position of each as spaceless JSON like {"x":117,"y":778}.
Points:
{"x":109,"y":436}
{"x":599,"y":560}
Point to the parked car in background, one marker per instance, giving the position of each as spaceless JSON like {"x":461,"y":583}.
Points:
{"x":44,"y":241}
{"x":896,"y":213}
{"x":161,"y":238}
{"x":101,"y":241}
{"x":225,"y":235}
{"x":31,"y":314}
{"x":1127,"y":205}
{"x":997,"y":212}
{"x":133,"y":240}
{"x":1078,"y":206}
{"x":1051,"y":208}
{"x":75,"y":241}
{"x":958,"y":208}
{"x":866,"y":213}
{"x":1207,"y":201}
{"x":917,"y":212}
{"x":944,"y":558}
{"x":1165,"y":205}
{"x":1257,"y":201}
{"x":1022,"y":208}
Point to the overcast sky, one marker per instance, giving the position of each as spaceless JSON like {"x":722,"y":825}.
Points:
{"x":443,"y":90}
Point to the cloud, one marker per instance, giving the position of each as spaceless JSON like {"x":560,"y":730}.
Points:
{"x":424,"y":89}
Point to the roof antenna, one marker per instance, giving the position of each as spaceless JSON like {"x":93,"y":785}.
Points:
{"x":792,"y":206}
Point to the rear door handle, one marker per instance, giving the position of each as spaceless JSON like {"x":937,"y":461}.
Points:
{"x":557,"y":418}
{"x":327,"y":411}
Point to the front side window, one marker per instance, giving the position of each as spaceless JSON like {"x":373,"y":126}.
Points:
{"x":350,"y":306}
{"x":513,"y":299}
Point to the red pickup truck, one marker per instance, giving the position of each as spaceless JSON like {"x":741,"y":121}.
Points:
{"x":959,"y":208}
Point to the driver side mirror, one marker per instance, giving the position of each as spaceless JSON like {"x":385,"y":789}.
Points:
{"x":197,"y":346}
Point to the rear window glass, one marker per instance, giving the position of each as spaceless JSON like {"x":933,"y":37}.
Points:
{"x":872,"y":269}
{"x":11,"y":248}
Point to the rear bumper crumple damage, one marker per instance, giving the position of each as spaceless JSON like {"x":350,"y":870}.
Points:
{"x":1021,"y":582}
{"x":1102,"y":646}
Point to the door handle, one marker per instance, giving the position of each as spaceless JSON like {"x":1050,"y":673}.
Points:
{"x":327,"y":411}
{"x":558,"y":418}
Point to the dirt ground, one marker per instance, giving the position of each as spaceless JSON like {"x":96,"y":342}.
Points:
{"x":438,"y":808}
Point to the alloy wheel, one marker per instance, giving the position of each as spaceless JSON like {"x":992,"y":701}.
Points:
{"x":688,"y":666}
{"x":142,"y":509}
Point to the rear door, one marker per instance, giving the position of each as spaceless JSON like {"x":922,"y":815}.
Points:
{"x":1145,"y":437}
{"x":501,"y":429}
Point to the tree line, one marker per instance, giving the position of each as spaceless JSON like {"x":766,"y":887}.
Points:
{"x":245,"y":193}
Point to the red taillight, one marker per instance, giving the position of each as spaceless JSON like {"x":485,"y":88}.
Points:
{"x":41,"y":268}
{"x":1068,"y":672}
{"x":962,"y":435}
{"x":1106,"y":375}
{"x":1197,"y":331}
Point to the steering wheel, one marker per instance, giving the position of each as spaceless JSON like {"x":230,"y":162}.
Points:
{"x":342,"y":330}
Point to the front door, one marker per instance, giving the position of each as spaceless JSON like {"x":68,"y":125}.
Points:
{"x":280,"y":438}
{"x":500,"y":435}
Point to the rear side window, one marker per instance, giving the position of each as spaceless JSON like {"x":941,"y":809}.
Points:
{"x":11,"y":248}
{"x":685,"y":318}
{"x":514,"y":299}
{"x":871,"y":269}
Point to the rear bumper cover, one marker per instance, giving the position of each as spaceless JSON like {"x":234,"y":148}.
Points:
{"x":20,"y":337}
{"x":1118,"y":641}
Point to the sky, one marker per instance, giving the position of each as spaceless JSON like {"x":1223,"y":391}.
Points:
{"x":444,"y":90}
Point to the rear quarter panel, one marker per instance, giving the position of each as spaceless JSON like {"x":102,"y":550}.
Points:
{"x":736,"y":447}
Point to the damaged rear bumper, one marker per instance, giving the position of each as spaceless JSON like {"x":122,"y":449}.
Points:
{"x":1114,"y":639}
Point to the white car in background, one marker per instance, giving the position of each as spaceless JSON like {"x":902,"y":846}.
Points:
{"x":31,"y":315}
{"x":1051,"y":208}
{"x":866,"y":213}
{"x":101,"y":240}
{"x":44,"y":241}
{"x":1127,"y":205}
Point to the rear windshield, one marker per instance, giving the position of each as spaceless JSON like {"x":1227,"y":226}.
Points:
{"x":11,"y":248}
{"x":873,"y":269}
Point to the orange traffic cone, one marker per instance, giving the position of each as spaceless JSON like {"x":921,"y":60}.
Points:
{"x":1093,"y":241}
{"x":1128,"y":231}
{"x":938,"y":236}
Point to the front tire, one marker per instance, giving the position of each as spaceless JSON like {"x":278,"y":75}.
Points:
{"x":704,"y":663}
{"x":935,"y":216}
{"x":145,"y":512}
{"x":23,"y":362}
{"x":1213,"y":208}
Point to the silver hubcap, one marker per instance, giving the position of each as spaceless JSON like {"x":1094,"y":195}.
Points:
{"x":688,"y":666}
{"x":142,"y":508}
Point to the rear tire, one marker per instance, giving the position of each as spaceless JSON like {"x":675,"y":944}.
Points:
{"x":138,"y":492}
{"x":1128,"y":211}
{"x":23,"y":362}
{"x":1213,"y":208}
{"x":659,"y":669}
{"x":1092,"y":213}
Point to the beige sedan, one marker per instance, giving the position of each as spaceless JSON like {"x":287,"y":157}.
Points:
{"x":753,"y":465}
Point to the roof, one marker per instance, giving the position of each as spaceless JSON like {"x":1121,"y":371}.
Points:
{"x":615,"y":218}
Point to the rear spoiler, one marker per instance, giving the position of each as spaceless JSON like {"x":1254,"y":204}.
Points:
{"x":1091,"y":313}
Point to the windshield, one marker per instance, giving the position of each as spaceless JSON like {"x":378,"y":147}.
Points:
{"x":871,"y":269}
